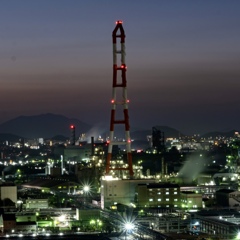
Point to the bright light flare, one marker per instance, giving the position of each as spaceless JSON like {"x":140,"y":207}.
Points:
{"x":62,"y":218}
{"x":128,"y":223}
{"x":128,"y":226}
{"x":86,"y":189}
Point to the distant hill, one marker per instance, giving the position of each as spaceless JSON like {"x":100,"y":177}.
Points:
{"x":57,"y":127}
{"x":60,"y":138}
{"x":9,"y":137}
{"x":218,"y":134}
{"x":44,"y":125}
{"x":53,"y":126}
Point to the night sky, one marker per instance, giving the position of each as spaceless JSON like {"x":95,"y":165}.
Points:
{"x":183,"y":60}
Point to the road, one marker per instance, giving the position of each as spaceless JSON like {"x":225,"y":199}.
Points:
{"x":81,"y":236}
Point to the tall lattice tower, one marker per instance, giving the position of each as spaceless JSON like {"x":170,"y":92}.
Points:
{"x":119,"y":86}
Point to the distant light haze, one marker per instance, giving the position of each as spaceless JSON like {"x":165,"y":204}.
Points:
{"x":183,"y":60}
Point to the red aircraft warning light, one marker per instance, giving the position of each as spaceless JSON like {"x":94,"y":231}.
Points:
{"x":119,"y":22}
{"x":73,"y":138}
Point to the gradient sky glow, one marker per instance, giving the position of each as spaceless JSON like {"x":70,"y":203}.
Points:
{"x":183,"y":61}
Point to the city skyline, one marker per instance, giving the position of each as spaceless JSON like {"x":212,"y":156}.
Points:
{"x":182,"y":59}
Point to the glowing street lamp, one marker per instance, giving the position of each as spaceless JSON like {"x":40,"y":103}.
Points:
{"x":86,"y":189}
{"x":128,"y":227}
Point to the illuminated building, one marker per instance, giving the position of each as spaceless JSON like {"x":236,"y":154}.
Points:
{"x":115,"y":191}
{"x":161,"y":195}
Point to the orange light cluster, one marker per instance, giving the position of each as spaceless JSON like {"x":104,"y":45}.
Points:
{"x":119,"y":22}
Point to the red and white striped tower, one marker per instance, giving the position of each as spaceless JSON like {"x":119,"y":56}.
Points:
{"x":121,"y":85}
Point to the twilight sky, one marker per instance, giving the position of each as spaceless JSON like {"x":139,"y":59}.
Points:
{"x":183,"y":60}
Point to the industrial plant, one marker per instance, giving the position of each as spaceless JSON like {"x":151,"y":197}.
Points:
{"x":184,"y":187}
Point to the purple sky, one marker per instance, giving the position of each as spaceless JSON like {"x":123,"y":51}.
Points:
{"x":183,"y":61}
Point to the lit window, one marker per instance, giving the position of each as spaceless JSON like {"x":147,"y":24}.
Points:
{"x":167,"y":205}
{"x":159,"y":199}
{"x":150,"y":200}
{"x":167,"y":199}
{"x":175,"y":192}
{"x":175,"y":200}
{"x":175,"y":205}
{"x":167,"y":193}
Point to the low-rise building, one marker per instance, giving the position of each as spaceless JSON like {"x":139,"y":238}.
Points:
{"x":158,"y":195}
{"x":26,"y":217}
{"x":191,"y":200}
{"x":228,"y":198}
{"x":36,"y":203}
{"x":53,"y":184}
{"x":26,"y":227}
{"x":9,"y":222}
{"x":87,"y":214}
{"x":114,"y":191}
{"x":222,"y":224}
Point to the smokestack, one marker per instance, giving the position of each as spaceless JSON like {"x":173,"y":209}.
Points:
{"x":163,"y":168}
{"x":92,"y":145}
{"x":166,"y":168}
{"x":73,"y":140}
{"x":62,"y":165}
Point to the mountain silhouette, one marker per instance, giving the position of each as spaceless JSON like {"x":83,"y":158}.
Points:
{"x":53,"y":126}
{"x":43,"y":126}
{"x":9,"y":137}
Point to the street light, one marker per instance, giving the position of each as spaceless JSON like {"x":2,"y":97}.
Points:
{"x":128,"y":227}
{"x":86,"y":189}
